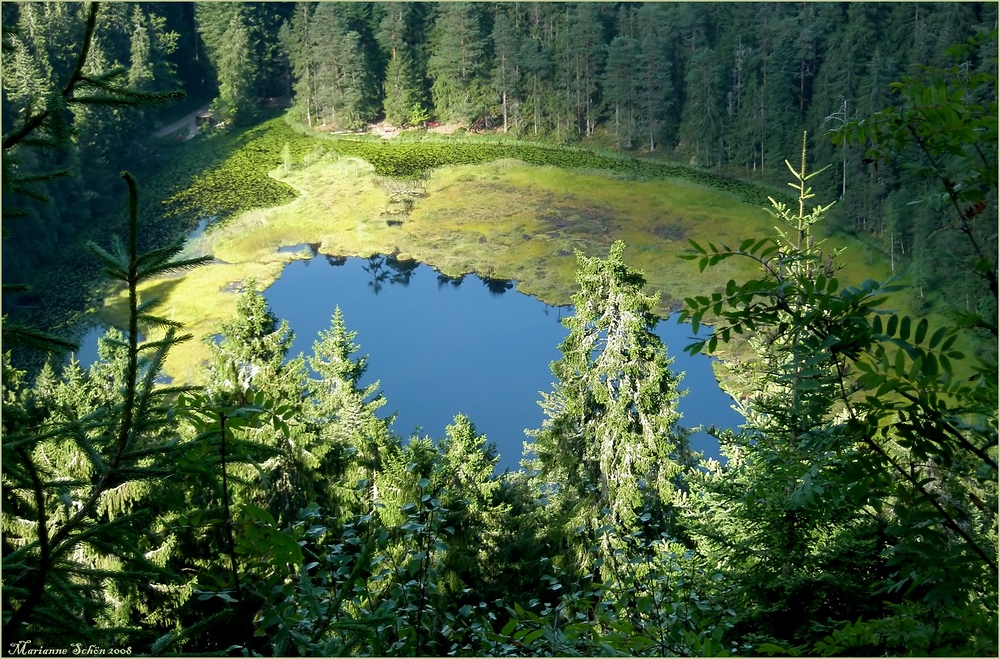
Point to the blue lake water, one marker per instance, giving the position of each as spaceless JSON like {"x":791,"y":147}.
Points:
{"x":440,"y":347}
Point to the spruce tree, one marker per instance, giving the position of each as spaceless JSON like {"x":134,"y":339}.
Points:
{"x":296,"y":41}
{"x":58,"y":102}
{"x":583,"y":62}
{"x":237,"y":100}
{"x":610,"y":445}
{"x":700,"y":128}
{"x":655,"y":73}
{"x":621,"y":91}
{"x":248,"y":369}
{"x":403,"y":94}
{"x":350,"y":438}
{"x":456,"y":65}
{"x":469,"y":490}
{"x":506,"y":74}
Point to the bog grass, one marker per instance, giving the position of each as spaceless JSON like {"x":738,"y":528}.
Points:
{"x":505,"y":219}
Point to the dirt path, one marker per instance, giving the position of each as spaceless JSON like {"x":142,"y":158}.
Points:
{"x":186,"y":124}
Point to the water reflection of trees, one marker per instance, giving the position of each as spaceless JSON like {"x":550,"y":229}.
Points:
{"x":498,"y":286}
{"x":560,"y":309}
{"x":448,"y":279}
{"x":389,"y":269}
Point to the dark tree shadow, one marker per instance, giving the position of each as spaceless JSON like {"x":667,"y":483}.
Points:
{"x":444,"y":279}
{"x":498,"y":286}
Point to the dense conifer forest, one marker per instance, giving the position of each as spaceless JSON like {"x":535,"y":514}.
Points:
{"x":274,"y":511}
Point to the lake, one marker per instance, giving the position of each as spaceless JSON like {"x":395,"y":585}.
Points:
{"x":442,"y":346}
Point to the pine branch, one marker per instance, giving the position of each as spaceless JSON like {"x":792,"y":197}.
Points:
{"x":150,"y":320}
{"x":45,"y":176}
{"x":115,"y":467}
{"x":165,"y":642}
{"x":156,"y":345}
{"x":57,"y":99}
{"x":23,"y":335}
{"x":174,"y":266}
{"x":12,"y":213}
{"x":36,"y":585}
{"x":129,"y":100}
{"x":115,"y":262}
{"x":83,"y":442}
{"x":66,"y":541}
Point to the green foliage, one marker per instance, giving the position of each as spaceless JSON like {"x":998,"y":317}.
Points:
{"x":274,"y":512}
{"x":856,"y":427}
{"x":456,"y":65}
{"x":610,"y":444}
{"x":404,"y":98}
{"x":241,"y":44}
{"x":417,"y":114}
{"x":317,"y":613}
{"x":336,"y":83}
{"x":943,"y":128}
{"x":81,"y":479}
{"x":61,"y":106}
{"x":237,"y":95}
{"x":351,"y":439}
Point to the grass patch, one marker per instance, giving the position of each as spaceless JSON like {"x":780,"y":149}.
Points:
{"x":201,"y":299}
